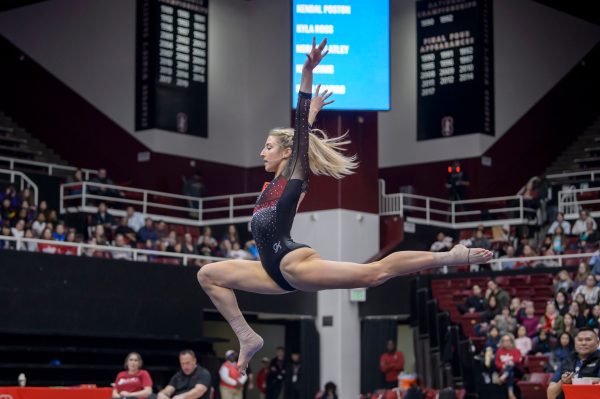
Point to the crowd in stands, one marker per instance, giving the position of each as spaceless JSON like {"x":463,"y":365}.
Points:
{"x":21,"y":217}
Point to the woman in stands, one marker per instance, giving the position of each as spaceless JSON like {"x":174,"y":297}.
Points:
{"x":286,"y":266}
{"x":133,"y":382}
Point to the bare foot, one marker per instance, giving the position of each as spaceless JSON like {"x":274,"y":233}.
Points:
{"x":248,"y":348}
{"x":461,"y":255}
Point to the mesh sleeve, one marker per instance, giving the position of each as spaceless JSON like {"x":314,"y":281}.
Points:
{"x":298,"y":167}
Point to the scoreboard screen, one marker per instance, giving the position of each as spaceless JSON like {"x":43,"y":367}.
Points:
{"x":171,"y":66}
{"x":455,"y":93}
{"x":357,"y":68}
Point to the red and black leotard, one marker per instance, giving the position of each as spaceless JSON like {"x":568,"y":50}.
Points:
{"x":275,"y":208}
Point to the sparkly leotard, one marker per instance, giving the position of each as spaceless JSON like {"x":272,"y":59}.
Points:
{"x":275,"y":208}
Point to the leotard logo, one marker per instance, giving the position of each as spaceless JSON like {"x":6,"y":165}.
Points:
{"x":276,"y":247}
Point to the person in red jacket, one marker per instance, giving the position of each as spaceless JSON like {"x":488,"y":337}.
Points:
{"x":134,"y":382}
{"x":261,"y":377}
{"x":508,"y":358}
{"x":391,"y":364}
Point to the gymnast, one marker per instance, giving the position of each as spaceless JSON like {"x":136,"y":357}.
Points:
{"x":285,"y":265}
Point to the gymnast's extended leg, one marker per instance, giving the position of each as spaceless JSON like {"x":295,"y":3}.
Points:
{"x":219,"y":280}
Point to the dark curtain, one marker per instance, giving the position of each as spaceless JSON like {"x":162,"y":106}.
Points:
{"x":310,"y":353}
{"x":373,"y":339}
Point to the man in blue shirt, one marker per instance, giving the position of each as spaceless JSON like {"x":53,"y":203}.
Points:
{"x":585,"y":362}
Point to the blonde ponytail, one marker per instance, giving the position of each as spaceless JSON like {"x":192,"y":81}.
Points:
{"x":324,"y":153}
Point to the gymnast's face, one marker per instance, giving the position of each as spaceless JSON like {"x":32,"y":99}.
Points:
{"x":273,"y":154}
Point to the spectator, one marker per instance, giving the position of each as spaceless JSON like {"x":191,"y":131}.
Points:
{"x":6,"y":244}
{"x":583,"y":271}
{"x":584,"y":362}
{"x":568,"y":325}
{"x":517,"y":308}
{"x":238,"y":253}
{"x":30,"y":246}
{"x":76,"y":183}
{"x":207,"y":245}
{"x":47,"y":248}
{"x":563,"y":350}
{"x":493,"y":338}
{"x":473,"y":303}
{"x":59,"y":233}
{"x":261,"y":377}
{"x":551,"y":321}
{"x":594,"y":317}
{"x":230,"y":238}
{"x":492,"y":309}
{"x":39,"y":224}
{"x":120,"y":243}
{"x":103,"y":217}
{"x":127,"y":232}
{"x":232,"y":381}
{"x":162,"y":230}
{"x":194,"y":187}
{"x":192,"y":381}
{"x":559,"y":241}
{"x":187,"y":247}
{"x":523,"y":343}
{"x":100,"y":180}
{"x":294,"y":388}
{"x":590,"y":237}
{"x":134,"y":382}
{"x":560,"y":222}
{"x":501,"y":296}
{"x":510,"y":253}
{"x":542,"y":344}
{"x":443,"y":243}
{"x":580,"y":224}
{"x":391,"y":363}
{"x":561,"y":302}
{"x":577,"y":314}
{"x":480,"y":241}
{"x":52,"y":217}
{"x":135,"y":220}
{"x":10,"y":194}
{"x":528,"y":251}
{"x":563,"y":282}
{"x":19,"y":229}
{"x":276,"y":374}
{"x":505,"y":322}
{"x":589,"y":290}
{"x":457,"y":182}
{"x":43,"y":208}
{"x":147,"y":232}
{"x":329,"y":392}
{"x":169,"y":243}
{"x":530,"y":320}
{"x":508,"y":359}
{"x":8,"y":212}
{"x":531,"y":195}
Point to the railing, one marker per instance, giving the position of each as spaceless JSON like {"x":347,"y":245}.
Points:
{"x":572,"y":200}
{"x":44,"y":167}
{"x":172,"y":208}
{"x":559,"y":259}
{"x":23,"y":182}
{"x":456,"y":214}
{"x":134,"y":254}
{"x":588,"y":175}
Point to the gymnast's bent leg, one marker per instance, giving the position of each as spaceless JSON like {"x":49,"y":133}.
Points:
{"x":219,"y":280}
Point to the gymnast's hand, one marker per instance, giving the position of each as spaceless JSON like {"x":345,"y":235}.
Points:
{"x":316,"y":54}
{"x":317,"y":103}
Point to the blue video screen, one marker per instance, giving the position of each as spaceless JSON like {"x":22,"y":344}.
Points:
{"x":357,"y":68}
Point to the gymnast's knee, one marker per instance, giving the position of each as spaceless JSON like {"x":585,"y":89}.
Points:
{"x":204,"y":275}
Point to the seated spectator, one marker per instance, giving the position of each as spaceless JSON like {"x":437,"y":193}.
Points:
{"x":135,"y":220}
{"x":530,"y":320}
{"x":252,"y":249}
{"x":7,"y":213}
{"x":493,"y":289}
{"x":329,"y":392}
{"x":99,"y":238}
{"x":531,"y":195}
{"x":77,"y":183}
{"x":102,"y":178}
{"x":563,"y":349}
{"x":580,"y":224}
{"x":134,"y":382}
{"x":517,"y":308}
{"x":59,"y":233}
{"x":577,"y":314}
{"x":29,"y":246}
{"x":493,"y":338}
{"x":492,"y":309}
{"x":192,"y":380}
{"x":561,"y":302}
{"x":590,"y":237}
{"x":563,"y":282}
{"x":594,"y":317}
{"x":39,"y":224}
{"x":207,"y":244}
{"x":69,"y":249}
{"x":559,"y":241}
{"x":560,"y":222}
{"x":43,"y":208}
{"x":542,"y":344}
{"x":48,"y":248}
{"x":568,"y":325}
{"x":6,"y":244}
{"x":120,"y":243}
{"x":528,"y":251}
{"x":147,"y":232}
{"x":10,"y":194}
{"x":52,"y":217}
{"x":443,"y":243}
{"x":480,"y":241}
{"x":551,"y":321}
{"x":508,"y":359}
{"x":505,"y":322}
{"x":237,"y":252}
{"x":474,"y":303}
{"x":127,"y":232}
{"x":583,"y":271}
{"x":187,"y":246}
{"x":489,"y":373}
{"x":150,"y":246}
{"x":169,"y":243}
{"x":19,"y":229}
{"x":509,"y":253}
{"x":103,"y":217}
{"x":230,"y":238}
{"x":590,"y":291}
{"x":523,"y":343}
{"x":162,"y":231}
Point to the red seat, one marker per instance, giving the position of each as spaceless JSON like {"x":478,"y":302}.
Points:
{"x":535,"y":387}
{"x":478,"y":342}
{"x":468,"y":321}
{"x":536,"y":364}
{"x":540,"y":279}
